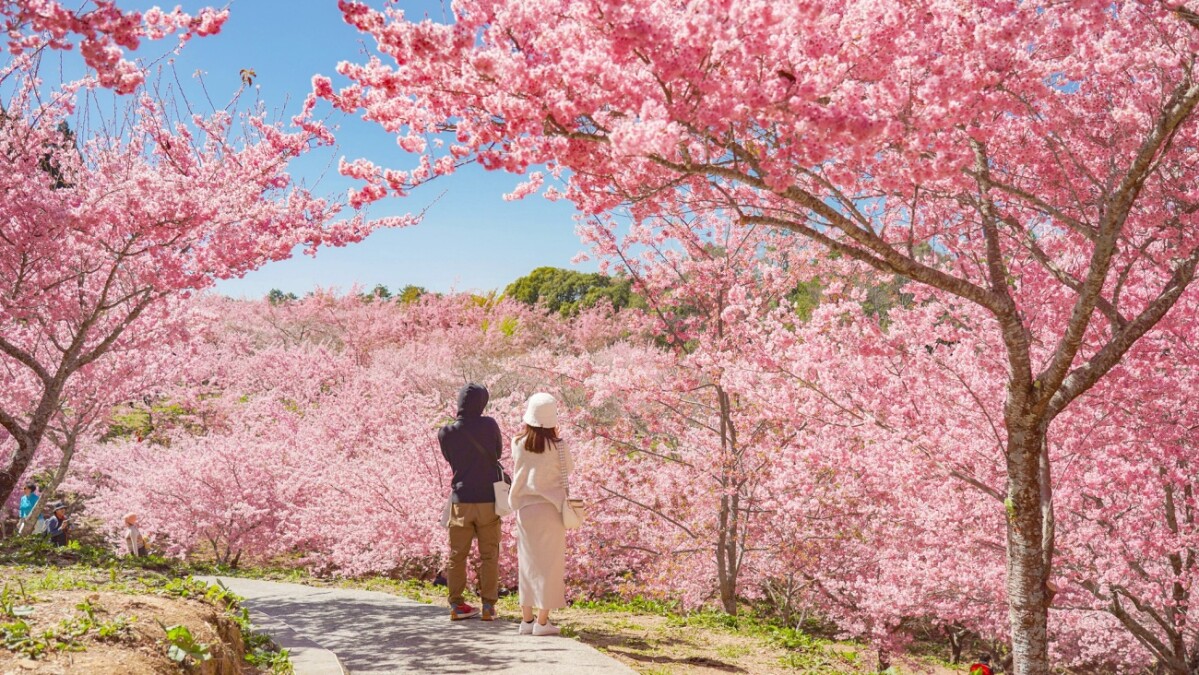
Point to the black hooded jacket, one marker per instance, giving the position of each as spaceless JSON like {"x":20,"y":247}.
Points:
{"x":472,"y":445}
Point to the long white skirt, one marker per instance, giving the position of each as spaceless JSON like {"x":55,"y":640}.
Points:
{"x":541,"y":552}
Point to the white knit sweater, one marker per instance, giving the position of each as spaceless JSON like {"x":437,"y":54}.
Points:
{"x":536,"y":476}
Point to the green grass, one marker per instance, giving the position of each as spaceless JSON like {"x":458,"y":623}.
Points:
{"x":410,"y":588}
{"x":623,"y":624}
{"x":636,"y":605}
{"x":802,"y":650}
{"x":39,"y":552}
{"x":260,"y":650}
{"x":733,"y":651}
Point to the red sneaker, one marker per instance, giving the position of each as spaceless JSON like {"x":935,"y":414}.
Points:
{"x":463,"y":611}
{"x":488,"y":612}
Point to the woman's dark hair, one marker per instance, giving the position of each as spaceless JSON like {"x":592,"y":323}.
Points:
{"x":32,"y":487}
{"x":536,"y":437}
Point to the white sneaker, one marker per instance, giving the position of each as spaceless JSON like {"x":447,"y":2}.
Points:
{"x":526,"y":628}
{"x":545,"y":629}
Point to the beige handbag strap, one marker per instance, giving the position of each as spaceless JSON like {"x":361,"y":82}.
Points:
{"x":562,"y":468}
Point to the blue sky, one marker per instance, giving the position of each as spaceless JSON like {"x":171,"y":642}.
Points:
{"x":470,"y":238}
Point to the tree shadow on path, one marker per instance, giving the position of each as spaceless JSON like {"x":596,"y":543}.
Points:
{"x":374,"y":632}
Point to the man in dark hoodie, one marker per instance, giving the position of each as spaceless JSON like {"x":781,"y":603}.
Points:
{"x":473,"y":445}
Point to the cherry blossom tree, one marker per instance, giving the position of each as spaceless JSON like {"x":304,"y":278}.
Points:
{"x":1031,"y":159}
{"x":301,"y":433}
{"x":1128,"y":503}
{"x":101,"y":229}
{"x":756,"y":435}
{"x":705,"y":286}
{"x":306,"y":427}
{"x":87,"y":402}
{"x":902,"y":425}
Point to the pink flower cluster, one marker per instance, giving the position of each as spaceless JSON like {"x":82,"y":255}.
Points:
{"x":103,"y":33}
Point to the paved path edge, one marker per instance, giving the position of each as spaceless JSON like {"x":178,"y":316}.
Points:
{"x":406,"y":636}
{"x":307,"y":657}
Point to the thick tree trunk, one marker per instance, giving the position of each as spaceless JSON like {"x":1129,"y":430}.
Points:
{"x":728,"y":542}
{"x":49,"y":491}
{"x":1027,"y":560}
{"x":955,"y":646}
{"x":727,"y":553}
{"x":10,"y":476}
{"x":884,"y":660}
{"x":957,"y":642}
{"x":30,"y":435}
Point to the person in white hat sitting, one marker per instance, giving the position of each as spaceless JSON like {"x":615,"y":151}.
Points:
{"x":536,"y":497}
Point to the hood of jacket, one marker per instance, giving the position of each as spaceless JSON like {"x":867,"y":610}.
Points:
{"x":472,"y":399}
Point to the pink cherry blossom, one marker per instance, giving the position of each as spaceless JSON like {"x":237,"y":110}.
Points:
{"x":1028,"y":159}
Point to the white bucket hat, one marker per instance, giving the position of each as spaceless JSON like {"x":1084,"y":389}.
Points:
{"x":542,"y":411}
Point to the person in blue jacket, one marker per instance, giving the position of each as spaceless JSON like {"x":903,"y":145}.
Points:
{"x":28,"y":501}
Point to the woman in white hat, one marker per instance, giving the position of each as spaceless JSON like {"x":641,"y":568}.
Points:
{"x":537,"y":495}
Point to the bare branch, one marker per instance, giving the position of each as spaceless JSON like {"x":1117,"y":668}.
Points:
{"x":651,"y":509}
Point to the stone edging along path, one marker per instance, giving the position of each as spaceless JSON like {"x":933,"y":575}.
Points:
{"x":373,"y":632}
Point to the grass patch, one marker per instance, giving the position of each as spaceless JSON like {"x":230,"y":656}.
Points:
{"x":636,"y":605}
{"x":733,"y":651}
{"x":36,"y":571}
{"x":67,"y":635}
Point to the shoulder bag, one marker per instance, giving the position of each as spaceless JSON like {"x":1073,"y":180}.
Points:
{"x":574,"y":511}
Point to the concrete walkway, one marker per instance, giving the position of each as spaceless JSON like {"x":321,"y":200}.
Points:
{"x":373,"y":632}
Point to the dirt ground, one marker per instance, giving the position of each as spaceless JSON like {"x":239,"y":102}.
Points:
{"x":102,"y":632}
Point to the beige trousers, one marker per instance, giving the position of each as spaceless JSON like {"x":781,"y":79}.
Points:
{"x":467,"y":523}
